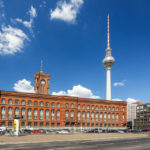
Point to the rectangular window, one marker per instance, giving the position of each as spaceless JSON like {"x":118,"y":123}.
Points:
{"x":16,"y":102}
{"x":35,"y":124}
{"x":47,"y":124}
{"x":35,"y":103}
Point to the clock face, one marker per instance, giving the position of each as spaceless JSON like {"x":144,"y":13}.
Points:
{"x":42,"y":82}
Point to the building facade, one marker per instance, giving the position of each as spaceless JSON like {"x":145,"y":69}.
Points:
{"x":131,"y":114}
{"x":143,"y":116}
{"x":41,"y":110}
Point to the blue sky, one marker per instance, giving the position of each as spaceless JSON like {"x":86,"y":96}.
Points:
{"x":70,"y":37}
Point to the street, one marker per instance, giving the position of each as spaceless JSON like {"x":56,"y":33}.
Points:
{"x":126,"y":144}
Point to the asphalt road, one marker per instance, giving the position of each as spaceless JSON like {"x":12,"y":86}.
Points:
{"x":127,"y":144}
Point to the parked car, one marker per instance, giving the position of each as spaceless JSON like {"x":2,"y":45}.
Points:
{"x":27,"y":131}
{"x":49,"y":131}
{"x":120,"y":131}
{"x":63,"y":132}
{"x":42,"y":130}
{"x":36,"y":132}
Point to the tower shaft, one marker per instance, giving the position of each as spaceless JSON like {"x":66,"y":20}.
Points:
{"x":108,"y":83}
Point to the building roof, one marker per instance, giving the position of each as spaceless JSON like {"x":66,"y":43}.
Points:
{"x":55,"y":97}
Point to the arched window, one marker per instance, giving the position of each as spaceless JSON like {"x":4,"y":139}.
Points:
{"x":113,"y":116}
{"x":113,"y":109}
{"x":47,"y":114}
{"x":67,"y":105}
{"x":105,"y":108}
{"x":35,"y":103}
{"x":72,"y":105}
{"x":53,"y":104}
{"x":23,"y":102}
{"x":9,"y":112}
{"x":109,"y":108}
{"x":88,"y":107}
{"x":83,"y":115}
{"x":52,"y":114}
{"x":78,"y":115}
{"x":92,"y":107}
{"x":16,"y":112}
{"x":10,"y":102}
{"x":41,"y":103}
{"x":41,"y":113}
{"x":78,"y":106}
{"x":109,"y":116}
{"x":101,"y":116}
{"x":29,"y":103}
{"x":116,"y":108}
{"x":101,"y":108}
{"x":29,"y":113}
{"x":35,"y":113}
{"x":105,"y":116}
{"x":47,"y":104}
{"x":58,"y":105}
{"x":16,"y":102}
{"x":92,"y":116}
{"x":58,"y":114}
{"x":117,"y":117}
{"x":96,"y":116}
{"x":66,"y":114}
{"x":3,"y":101}
{"x":3,"y":112}
{"x":96,"y":107}
{"x":83,"y":106}
{"x":123,"y":117}
{"x":72,"y":115}
{"x":23,"y":113}
{"x":88,"y":116}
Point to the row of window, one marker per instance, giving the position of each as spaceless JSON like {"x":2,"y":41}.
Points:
{"x":68,"y":115}
{"x":47,"y":124}
{"x":29,"y":103}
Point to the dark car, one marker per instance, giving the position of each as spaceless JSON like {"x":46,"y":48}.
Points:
{"x":27,"y":131}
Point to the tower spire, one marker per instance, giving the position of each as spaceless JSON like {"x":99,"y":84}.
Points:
{"x":41,"y":67}
{"x":108,"y":44}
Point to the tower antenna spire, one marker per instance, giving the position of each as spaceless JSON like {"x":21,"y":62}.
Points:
{"x":108,"y":44}
{"x":41,"y":66}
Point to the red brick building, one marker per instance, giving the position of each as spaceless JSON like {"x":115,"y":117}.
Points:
{"x":43,"y":110}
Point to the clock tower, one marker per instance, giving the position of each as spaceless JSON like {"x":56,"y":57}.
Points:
{"x":41,"y":80}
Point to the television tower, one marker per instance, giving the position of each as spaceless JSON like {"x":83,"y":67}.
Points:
{"x":108,"y":61}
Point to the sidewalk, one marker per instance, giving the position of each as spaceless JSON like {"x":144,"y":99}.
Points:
{"x":37,"y":138}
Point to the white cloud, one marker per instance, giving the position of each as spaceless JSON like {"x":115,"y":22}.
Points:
{"x":117,"y":99}
{"x":122,"y":83}
{"x":28,"y":24}
{"x":66,"y":11}
{"x":11,"y":40}
{"x":23,"y":86}
{"x":32,"y":12}
{"x":78,"y":91}
{"x":131,"y":100}
{"x":43,"y":4}
{"x":128,"y":100}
